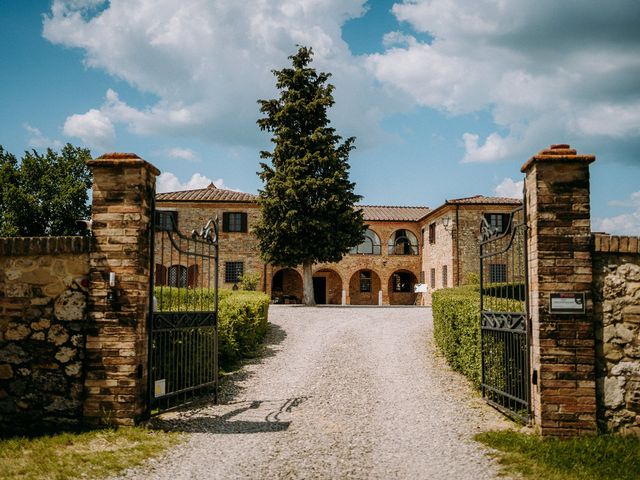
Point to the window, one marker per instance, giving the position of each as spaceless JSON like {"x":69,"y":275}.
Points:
{"x":365,"y":281}
{"x":432,"y":232}
{"x":166,"y":220}
{"x":422,"y":276}
{"x":370,"y":245}
{"x":403,"y":242}
{"x":192,"y":276}
{"x":401,"y":282}
{"x":444,"y":275}
{"x":497,"y":273}
{"x":232,"y":271}
{"x":161,"y":275}
{"x":234,"y":222}
{"x":497,"y":221}
{"x":177,"y":276}
{"x":433,"y":278}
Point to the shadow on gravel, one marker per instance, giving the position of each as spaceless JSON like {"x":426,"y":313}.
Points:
{"x":229,"y":388}
{"x":269,"y":413}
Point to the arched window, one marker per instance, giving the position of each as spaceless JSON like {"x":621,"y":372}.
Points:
{"x":370,"y":245}
{"x":403,"y":242}
{"x":177,"y":276}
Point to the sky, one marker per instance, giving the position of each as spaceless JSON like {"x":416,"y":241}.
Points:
{"x":446,"y":98}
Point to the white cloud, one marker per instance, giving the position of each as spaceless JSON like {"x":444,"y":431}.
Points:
{"x":38,"y":140}
{"x":208,"y":62}
{"x":545,"y":70}
{"x":169,"y":182}
{"x":509,"y":188}
{"x":624,"y":224}
{"x":94,"y":128}
{"x":182,"y":154}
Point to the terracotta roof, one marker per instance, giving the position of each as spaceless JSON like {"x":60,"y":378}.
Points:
{"x":388,"y":213}
{"x":481,"y":200}
{"x":209,"y":194}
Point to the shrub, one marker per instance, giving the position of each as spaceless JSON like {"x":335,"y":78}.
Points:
{"x":242,"y":317}
{"x":249,"y":281}
{"x":456,"y":329}
{"x":242,"y":325}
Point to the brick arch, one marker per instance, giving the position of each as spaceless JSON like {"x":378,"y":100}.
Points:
{"x":404,"y":280}
{"x":398,"y":250}
{"x":333,"y":284}
{"x":358,"y":297}
{"x":286,"y":286}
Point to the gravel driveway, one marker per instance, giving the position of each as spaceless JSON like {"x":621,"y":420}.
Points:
{"x":341,"y":393}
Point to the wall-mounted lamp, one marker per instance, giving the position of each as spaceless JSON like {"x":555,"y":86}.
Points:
{"x":112,"y":293}
{"x":446,"y":223}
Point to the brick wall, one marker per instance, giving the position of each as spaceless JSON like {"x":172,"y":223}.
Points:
{"x":562,"y":345}
{"x":616,"y":298}
{"x":43,"y":319}
{"x":117,"y":339}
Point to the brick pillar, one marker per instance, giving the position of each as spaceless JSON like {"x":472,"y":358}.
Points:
{"x":116,"y":349}
{"x":563,"y":345}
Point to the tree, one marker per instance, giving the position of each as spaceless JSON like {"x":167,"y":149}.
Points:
{"x":308,"y":213}
{"x":43,"y":194}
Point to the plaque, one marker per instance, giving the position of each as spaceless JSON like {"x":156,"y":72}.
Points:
{"x":160,"y":388}
{"x":567,"y":303}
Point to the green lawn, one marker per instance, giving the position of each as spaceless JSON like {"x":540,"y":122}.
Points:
{"x":589,"y":458}
{"x":91,"y":454}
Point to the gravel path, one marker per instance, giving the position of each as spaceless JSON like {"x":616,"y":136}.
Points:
{"x":341,"y":393}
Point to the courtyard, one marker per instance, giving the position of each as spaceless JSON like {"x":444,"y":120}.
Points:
{"x":340,"y":392}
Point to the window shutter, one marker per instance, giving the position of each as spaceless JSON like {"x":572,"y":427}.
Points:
{"x":243,"y":224}
{"x":225,"y":222}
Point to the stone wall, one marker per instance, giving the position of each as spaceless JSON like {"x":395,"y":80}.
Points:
{"x":43,"y":317}
{"x":616,"y":297}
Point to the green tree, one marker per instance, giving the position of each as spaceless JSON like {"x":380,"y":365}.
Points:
{"x":308,"y":213}
{"x":43,"y":194}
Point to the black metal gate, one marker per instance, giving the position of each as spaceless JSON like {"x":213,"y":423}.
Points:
{"x":183,"y":341}
{"x":504,"y":319}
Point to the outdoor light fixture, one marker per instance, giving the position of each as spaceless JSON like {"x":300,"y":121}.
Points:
{"x":446,"y":223}
{"x":112,"y":293}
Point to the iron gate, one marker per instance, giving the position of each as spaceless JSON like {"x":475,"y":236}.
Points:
{"x":183,"y":343}
{"x":504,"y":320}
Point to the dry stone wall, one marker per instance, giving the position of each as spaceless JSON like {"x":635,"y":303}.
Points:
{"x":616,"y":295}
{"x":43,"y":312}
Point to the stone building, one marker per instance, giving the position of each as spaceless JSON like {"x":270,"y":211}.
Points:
{"x":403,"y":246}
{"x":450,"y":253}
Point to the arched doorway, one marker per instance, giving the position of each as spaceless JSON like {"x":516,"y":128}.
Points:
{"x":286,"y":286}
{"x":401,"y":288}
{"x":327,"y":287}
{"x":364,"y":287}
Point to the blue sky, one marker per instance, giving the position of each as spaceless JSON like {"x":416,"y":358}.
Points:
{"x":446,"y":98}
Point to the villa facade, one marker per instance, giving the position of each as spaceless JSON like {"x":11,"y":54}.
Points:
{"x":404,"y":246}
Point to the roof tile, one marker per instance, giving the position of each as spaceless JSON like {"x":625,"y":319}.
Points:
{"x":390,"y":213}
{"x":209,"y":194}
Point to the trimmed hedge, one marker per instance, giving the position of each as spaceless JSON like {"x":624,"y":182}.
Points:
{"x":242,"y":317}
{"x":456,"y":329}
{"x":242,"y":326}
{"x":513,"y":291}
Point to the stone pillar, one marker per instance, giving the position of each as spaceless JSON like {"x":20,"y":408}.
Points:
{"x":116,"y":348}
{"x":563,"y":345}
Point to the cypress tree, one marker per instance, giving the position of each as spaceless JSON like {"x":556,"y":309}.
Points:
{"x":308,"y":213}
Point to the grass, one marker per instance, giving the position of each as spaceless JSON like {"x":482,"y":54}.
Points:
{"x":610,"y":457}
{"x":93,"y":454}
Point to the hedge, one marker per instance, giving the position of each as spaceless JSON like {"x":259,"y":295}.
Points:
{"x":456,"y":329}
{"x":242,"y":317}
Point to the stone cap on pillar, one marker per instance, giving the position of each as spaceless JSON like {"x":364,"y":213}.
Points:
{"x":560,"y":152}
{"x":122,"y":160}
